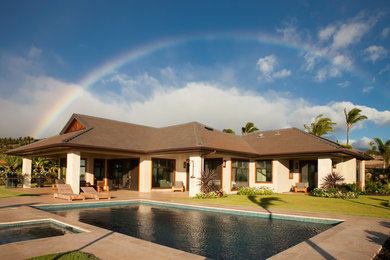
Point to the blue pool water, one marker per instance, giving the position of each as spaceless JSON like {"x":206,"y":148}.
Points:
{"x":211,"y":234}
{"x":26,"y":231}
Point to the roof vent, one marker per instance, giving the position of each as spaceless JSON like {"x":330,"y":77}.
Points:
{"x":209,"y":128}
{"x":261,"y":135}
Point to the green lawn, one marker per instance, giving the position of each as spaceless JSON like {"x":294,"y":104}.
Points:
{"x":9,"y":192}
{"x":369,"y":206}
{"x":71,"y":255}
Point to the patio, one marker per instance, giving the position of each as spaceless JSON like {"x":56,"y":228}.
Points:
{"x":355,"y":238}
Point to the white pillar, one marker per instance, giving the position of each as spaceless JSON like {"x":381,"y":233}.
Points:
{"x":73,"y":170}
{"x":324,"y":168}
{"x":26,"y":172}
{"x":196,"y":163}
{"x":145,"y":170}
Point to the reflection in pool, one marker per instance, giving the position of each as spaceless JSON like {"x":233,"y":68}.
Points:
{"x":211,"y":234}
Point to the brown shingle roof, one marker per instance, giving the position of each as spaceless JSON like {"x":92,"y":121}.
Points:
{"x":115,"y":135}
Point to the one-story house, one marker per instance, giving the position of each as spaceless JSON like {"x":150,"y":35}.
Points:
{"x":142,"y":158}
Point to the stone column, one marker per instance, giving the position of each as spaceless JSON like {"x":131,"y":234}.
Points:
{"x":324,"y":168}
{"x":73,"y":170}
{"x":196,"y":163}
{"x":26,"y":172}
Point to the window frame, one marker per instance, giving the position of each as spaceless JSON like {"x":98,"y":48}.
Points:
{"x":174,"y":173}
{"x":231,"y":172}
{"x":272,"y":171}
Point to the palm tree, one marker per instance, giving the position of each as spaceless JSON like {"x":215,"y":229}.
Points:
{"x":229,"y":131}
{"x":352,"y":117}
{"x":320,"y":126}
{"x":382,"y":149}
{"x":248,"y":128}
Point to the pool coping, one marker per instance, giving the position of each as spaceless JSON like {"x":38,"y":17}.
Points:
{"x":42,"y":221}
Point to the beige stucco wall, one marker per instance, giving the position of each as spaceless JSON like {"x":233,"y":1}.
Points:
{"x":324,"y":167}
{"x":347,"y":168}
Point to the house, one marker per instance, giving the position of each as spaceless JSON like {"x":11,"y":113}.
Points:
{"x":142,"y":158}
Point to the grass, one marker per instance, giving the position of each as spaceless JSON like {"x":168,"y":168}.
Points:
{"x":9,"y":192}
{"x":367,"y":206}
{"x":71,"y":255}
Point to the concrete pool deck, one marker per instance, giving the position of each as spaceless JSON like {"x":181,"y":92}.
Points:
{"x":355,"y":238}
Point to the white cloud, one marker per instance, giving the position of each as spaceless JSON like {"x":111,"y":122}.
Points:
{"x":326,"y":33}
{"x":343,"y":60}
{"x":385,"y":32}
{"x":368,"y":89}
{"x":344,"y":84}
{"x":266,"y":67}
{"x":207,"y":103}
{"x":34,"y":52}
{"x":282,"y":73}
{"x":360,"y":144}
{"x":352,"y":31}
{"x":321,"y":75}
{"x":374,"y":53}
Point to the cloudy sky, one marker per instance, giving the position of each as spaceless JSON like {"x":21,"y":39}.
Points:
{"x":278,"y":64}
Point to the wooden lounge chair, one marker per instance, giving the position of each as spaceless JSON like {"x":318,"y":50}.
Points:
{"x":178,"y":186}
{"x":91,"y":193}
{"x":65,"y":192}
{"x":101,"y":187}
{"x":300,"y":186}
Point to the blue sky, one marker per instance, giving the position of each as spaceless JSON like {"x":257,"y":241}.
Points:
{"x":223,"y":63}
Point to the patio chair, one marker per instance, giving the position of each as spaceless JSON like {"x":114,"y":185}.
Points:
{"x":101,"y":187}
{"x":178,"y":186}
{"x":91,"y":193}
{"x":65,"y":192}
{"x":57,"y":181}
{"x":300,"y":186}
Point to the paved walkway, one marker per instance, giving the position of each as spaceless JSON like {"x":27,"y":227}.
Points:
{"x":355,"y":238}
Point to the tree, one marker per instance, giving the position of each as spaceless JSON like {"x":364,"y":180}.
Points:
{"x":352,"y":117}
{"x":382,"y":149}
{"x":229,"y":131}
{"x":320,"y":126}
{"x":12,"y":163}
{"x":248,"y":128}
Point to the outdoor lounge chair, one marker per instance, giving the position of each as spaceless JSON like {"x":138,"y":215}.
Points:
{"x":91,"y":193}
{"x":178,"y":186}
{"x":300,"y":186}
{"x":101,"y":187}
{"x":65,"y":192}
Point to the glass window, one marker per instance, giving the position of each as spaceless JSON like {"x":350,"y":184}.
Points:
{"x":62,"y":168}
{"x":82,"y":169}
{"x":358,"y":171}
{"x":216,"y":166}
{"x":263,"y":171}
{"x":240,"y":172}
{"x":98,"y":171}
{"x":163,"y":173}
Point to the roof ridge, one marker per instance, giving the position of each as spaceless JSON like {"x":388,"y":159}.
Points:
{"x":66,"y":140}
{"x":319,"y":138}
{"x":198,"y":138}
{"x":118,"y":121}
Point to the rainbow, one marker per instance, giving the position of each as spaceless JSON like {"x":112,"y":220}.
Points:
{"x":134,"y":54}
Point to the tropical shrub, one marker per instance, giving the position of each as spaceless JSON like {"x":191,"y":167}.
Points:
{"x":334,"y":193}
{"x":377,"y":188}
{"x":211,"y":195}
{"x":378,"y":181}
{"x":255,"y":191}
{"x":332,"y":180}
{"x":207,"y":179}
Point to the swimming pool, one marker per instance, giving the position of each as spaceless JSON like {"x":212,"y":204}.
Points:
{"x":208,"y":232}
{"x":27,"y":230}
